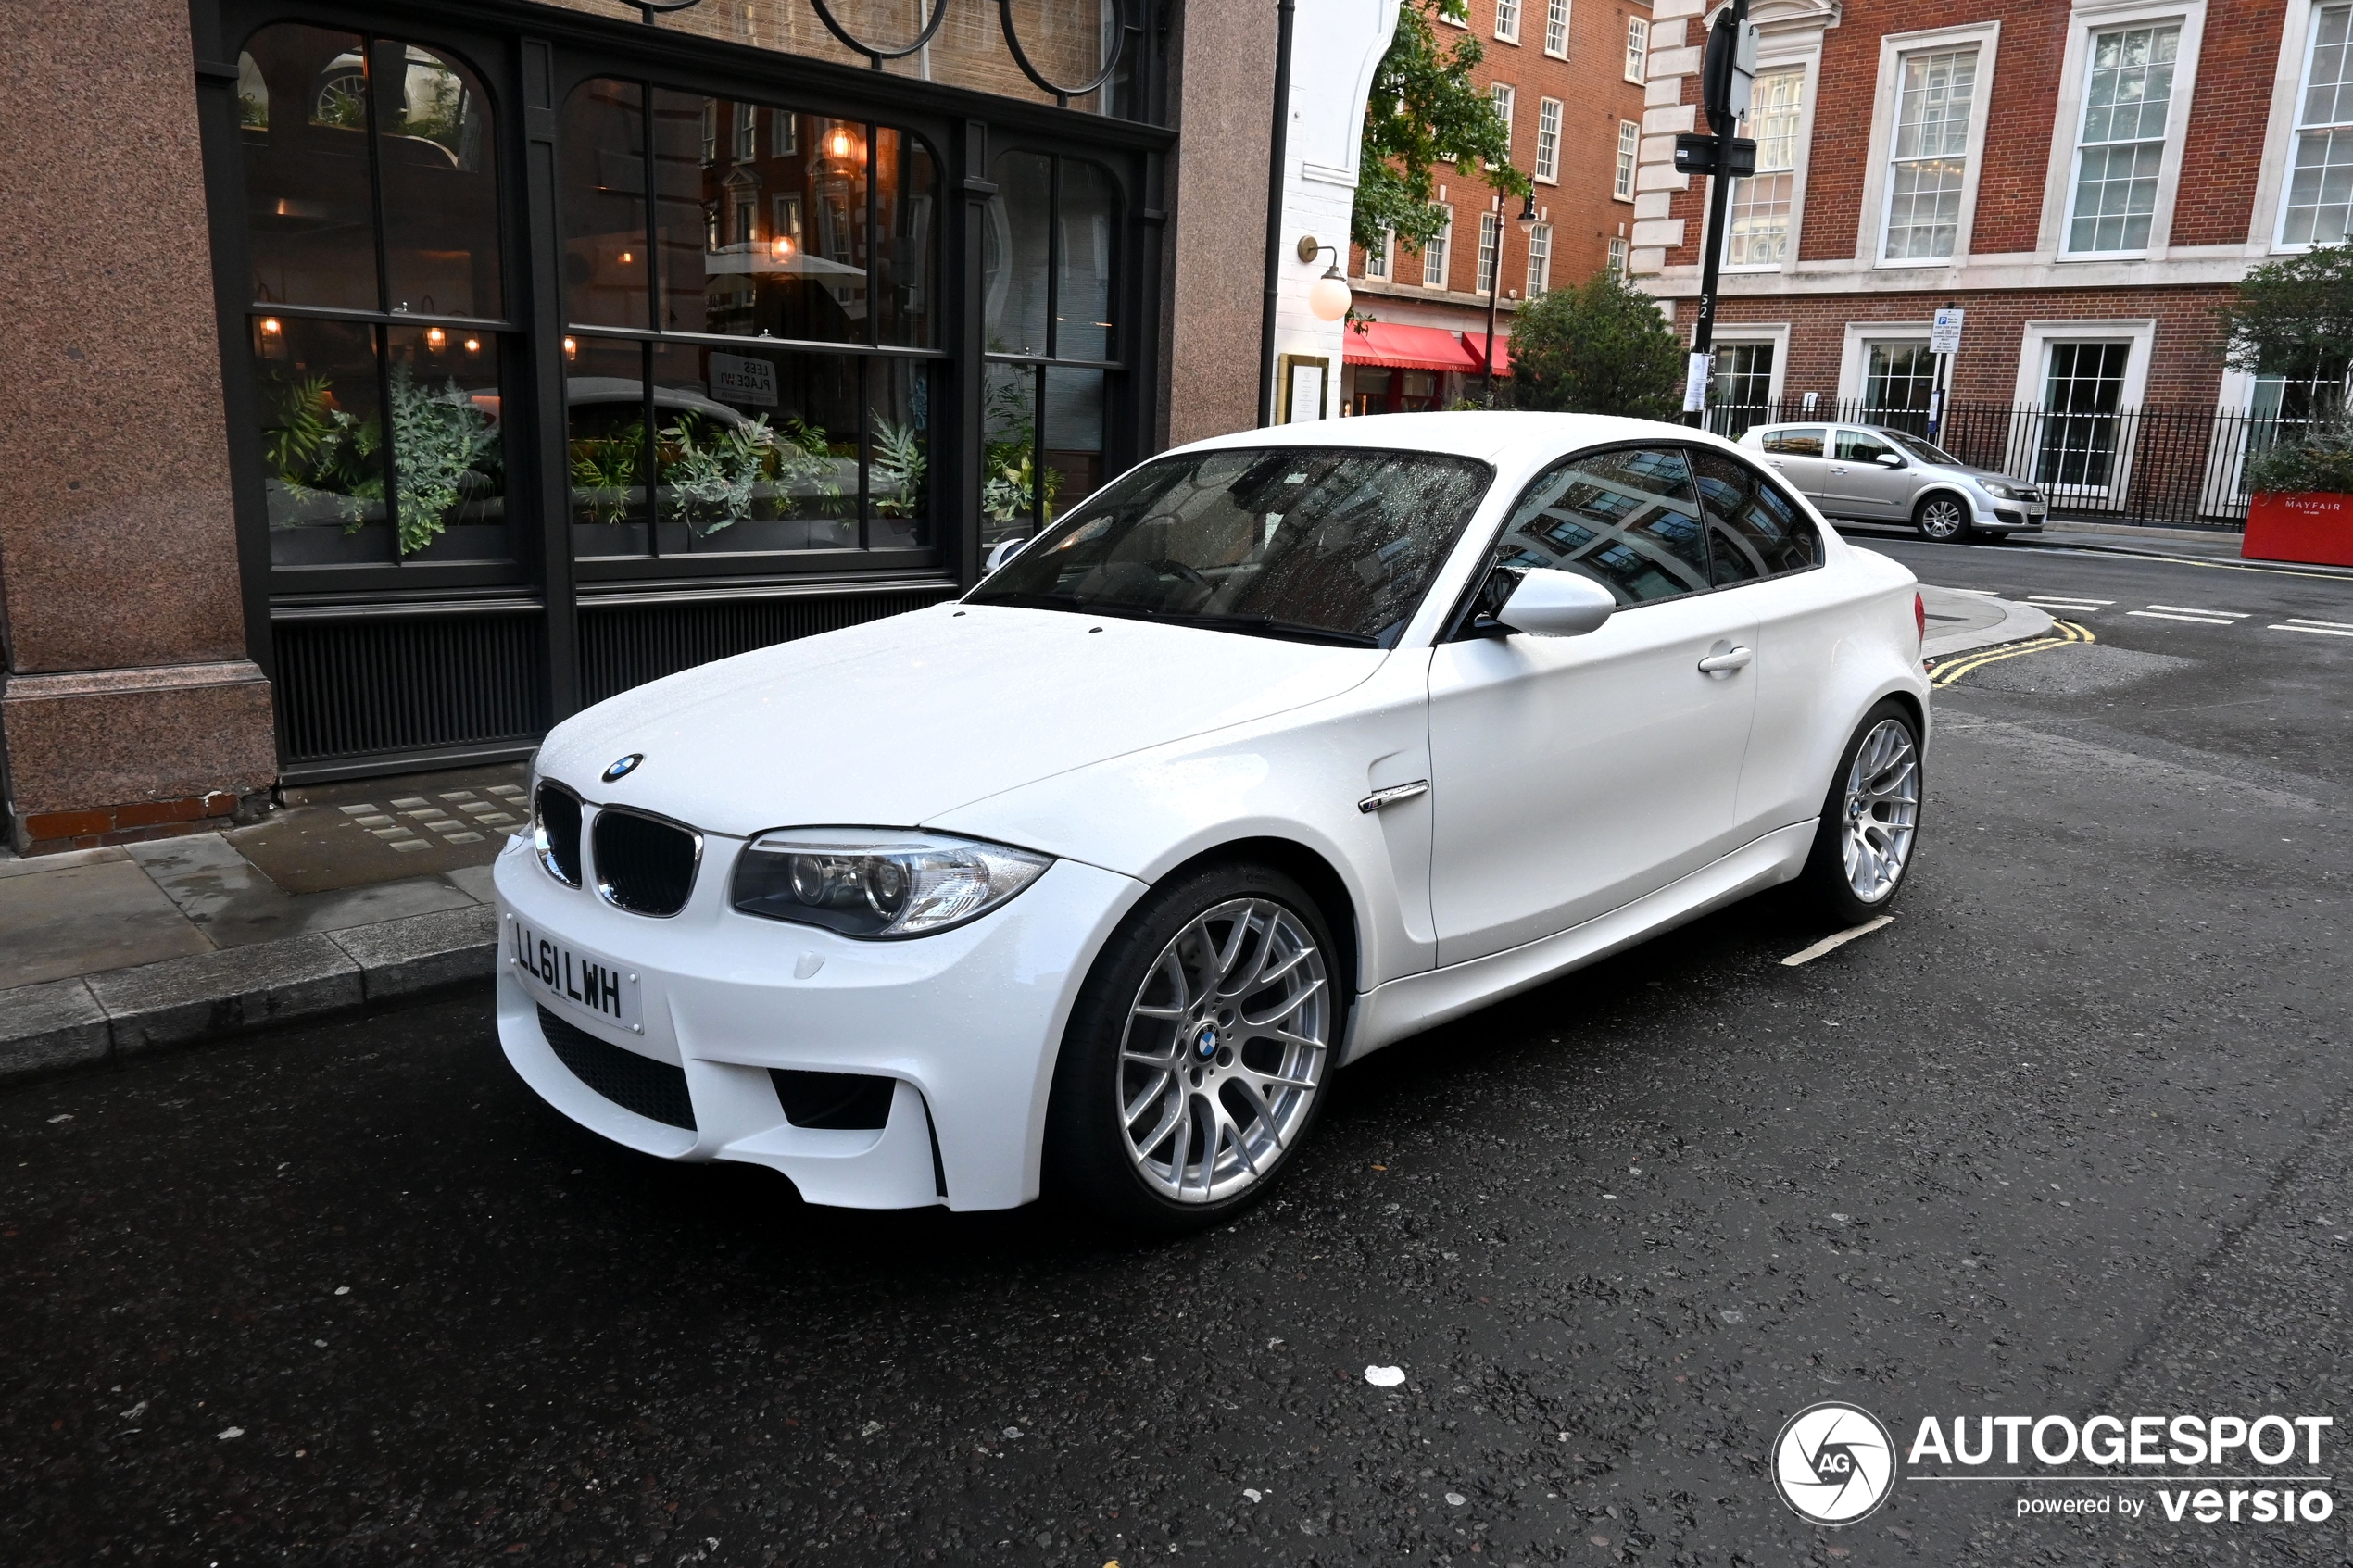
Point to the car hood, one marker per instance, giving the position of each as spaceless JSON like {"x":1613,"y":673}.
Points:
{"x":1969,"y":471}
{"x":899,"y":721}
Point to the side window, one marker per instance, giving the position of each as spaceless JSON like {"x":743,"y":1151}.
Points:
{"x":1753,"y":528}
{"x":1795,"y":442}
{"x":1627,"y":519}
{"x":1853,"y":446}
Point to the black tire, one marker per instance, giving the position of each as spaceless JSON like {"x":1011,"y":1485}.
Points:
{"x":1827,"y":882}
{"x":1088,"y":1150}
{"x":1942,"y":518}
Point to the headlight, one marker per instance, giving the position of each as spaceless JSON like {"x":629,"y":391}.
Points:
{"x":1996,"y":488}
{"x":878,"y":881}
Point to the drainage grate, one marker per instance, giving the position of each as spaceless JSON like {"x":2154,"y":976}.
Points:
{"x":652,"y":1089}
{"x":645,"y":865}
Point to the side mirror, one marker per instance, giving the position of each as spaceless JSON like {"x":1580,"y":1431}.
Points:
{"x":1556,"y":604}
{"x":1890,"y":459}
{"x":1005,"y":550}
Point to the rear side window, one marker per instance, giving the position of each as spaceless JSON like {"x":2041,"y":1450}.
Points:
{"x":1853,"y":446}
{"x":1629,"y":519}
{"x":1753,"y":528}
{"x":1795,"y":442}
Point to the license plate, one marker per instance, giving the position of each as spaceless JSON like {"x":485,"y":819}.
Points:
{"x":575,"y":977}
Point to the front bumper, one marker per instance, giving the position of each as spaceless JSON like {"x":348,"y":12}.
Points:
{"x":966,"y":1023}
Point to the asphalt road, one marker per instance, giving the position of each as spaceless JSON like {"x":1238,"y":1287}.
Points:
{"x":2070,"y":1136}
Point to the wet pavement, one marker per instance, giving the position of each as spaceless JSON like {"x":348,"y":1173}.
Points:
{"x":2069,"y":1135}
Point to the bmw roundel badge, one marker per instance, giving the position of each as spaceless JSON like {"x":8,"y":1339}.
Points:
{"x":624,"y":767}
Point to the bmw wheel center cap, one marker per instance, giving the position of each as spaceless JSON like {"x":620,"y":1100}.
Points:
{"x":1205,"y":1042}
{"x":623,"y":766}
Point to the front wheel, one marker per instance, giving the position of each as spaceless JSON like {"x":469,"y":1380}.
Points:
{"x":1942,"y":518}
{"x":1199,"y":1053}
{"x":1863,"y":845}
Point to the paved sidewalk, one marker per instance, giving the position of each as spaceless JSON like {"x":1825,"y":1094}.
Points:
{"x":347,"y":894}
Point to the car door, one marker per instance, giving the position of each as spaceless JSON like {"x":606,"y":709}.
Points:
{"x":1797,"y":454}
{"x":1570,"y":775}
{"x":1765,"y":557}
{"x":1861,"y":485}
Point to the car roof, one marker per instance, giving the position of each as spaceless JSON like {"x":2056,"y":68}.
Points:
{"x":1497,"y":435}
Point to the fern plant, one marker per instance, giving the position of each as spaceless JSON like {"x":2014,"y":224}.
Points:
{"x":898,"y":465}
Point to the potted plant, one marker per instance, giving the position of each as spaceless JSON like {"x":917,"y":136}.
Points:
{"x":2301,"y":499}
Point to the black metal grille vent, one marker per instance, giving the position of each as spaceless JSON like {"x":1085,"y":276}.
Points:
{"x":848,"y":1101}
{"x":348,"y":688}
{"x":652,"y":1089}
{"x":626,"y":646}
{"x":557,"y":814}
{"x":643,"y":865}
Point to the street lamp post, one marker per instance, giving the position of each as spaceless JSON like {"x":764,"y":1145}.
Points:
{"x":1526,"y":222}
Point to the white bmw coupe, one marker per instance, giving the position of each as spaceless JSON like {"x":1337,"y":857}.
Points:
{"x":1281,"y":748}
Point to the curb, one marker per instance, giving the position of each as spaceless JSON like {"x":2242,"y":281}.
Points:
{"x":2018,"y":622}
{"x":59,"y":1026}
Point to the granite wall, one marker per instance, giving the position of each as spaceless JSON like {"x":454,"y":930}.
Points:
{"x":127,"y":696}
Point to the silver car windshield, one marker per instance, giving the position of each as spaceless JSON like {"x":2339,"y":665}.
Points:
{"x":1925,"y":451}
{"x":1322,"y":544}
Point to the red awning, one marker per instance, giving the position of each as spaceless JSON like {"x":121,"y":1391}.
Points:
{"x":1476,"y":343}
{"x":1407,"y":348}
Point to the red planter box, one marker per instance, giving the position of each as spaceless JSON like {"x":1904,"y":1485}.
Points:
{"x":2311,"y":527}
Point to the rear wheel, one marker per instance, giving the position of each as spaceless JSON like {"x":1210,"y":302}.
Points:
{"x":1942,"y":518}
{"x":1198,"y":1053}
{"x":1870,"y":824}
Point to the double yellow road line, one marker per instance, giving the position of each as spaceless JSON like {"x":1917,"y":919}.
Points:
{"x":1951,"y":669}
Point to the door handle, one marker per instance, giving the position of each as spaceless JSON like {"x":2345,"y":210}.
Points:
{"x":1380,"y":798}
{"x":1725,"y":664}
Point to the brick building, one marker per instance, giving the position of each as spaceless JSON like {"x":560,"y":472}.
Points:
{"x":1569,"y":75}
{"x":2086,"y":180}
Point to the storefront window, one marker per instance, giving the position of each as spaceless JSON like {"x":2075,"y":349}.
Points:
{"x":338,"y":128}
{"x":1048,"y":256}
{"x":767,"y":227}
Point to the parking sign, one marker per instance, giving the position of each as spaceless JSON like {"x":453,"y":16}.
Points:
{"x":1945,"y":337}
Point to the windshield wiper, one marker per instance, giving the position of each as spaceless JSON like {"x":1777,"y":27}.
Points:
{"x":1267,"y":626}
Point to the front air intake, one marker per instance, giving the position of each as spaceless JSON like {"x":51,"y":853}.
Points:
{"x":637,"y":1083}
{"x":645,"y":865}
{"x":555,"y":832}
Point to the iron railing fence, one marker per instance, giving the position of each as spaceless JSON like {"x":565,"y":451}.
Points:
{"x":2175,"y":467}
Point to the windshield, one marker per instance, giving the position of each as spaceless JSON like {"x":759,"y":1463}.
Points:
{"x":1321,"y":543}
{"x":1926,"y":452}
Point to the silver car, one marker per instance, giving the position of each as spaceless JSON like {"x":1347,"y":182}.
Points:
{"x":1871,"y":474}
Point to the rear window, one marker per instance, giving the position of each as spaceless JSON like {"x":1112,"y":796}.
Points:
{"x":1795,"y":442}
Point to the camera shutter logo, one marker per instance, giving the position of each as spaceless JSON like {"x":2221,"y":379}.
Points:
{"x":1834,"y":1463}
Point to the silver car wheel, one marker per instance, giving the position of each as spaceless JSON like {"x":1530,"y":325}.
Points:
{"x":1882,"y":810}
{"x":1227,"y":1043}
{"x":1942,"y":518}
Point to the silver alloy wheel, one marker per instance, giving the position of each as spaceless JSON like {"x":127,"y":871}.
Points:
{"x":1225,"y":1045}
{"x":1942,"y":518}
{"x":1882,"y":810}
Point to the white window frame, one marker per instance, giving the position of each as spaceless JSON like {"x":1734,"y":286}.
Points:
{"x":2067,"y":121}
{"x":1386,"y":256}
{"x":1464,"y":23}
{"x":1507,"y":21}
{"x":1638,"y":48}
{"x":1539,"y":261}
{"x":710,"y":132}
{"x":2033,"y":359}
{"x":1442,"y":245}
{"x":1855,"y":356}
{"x":1804,"y":71}
{"x":783,"y":134}
{"x":1630,"y":147}
{"x":1877,"y":189}
{"x":1775,"y":333}
{"x":1505,"y":97}
{"x":2285,"y":137}
{"x":784,"y":217}
{"x":1489,"y":272}
{"x":746,"y":130}
{"x":1547,"y":170}
{"x":1620,"y":255}
{"x":1556,"y":29}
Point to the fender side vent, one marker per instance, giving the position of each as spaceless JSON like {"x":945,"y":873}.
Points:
{"x":850,"y":1103}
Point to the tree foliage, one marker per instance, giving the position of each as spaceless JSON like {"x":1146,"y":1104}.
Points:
{"x":1423,"y":110}
{"x":1598,"y":348}
{"x":2292,"y":316}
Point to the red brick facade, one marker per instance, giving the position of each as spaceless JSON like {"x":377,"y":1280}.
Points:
{"x":2216,"y":204}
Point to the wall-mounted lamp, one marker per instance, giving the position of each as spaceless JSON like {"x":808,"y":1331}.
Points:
{"x":571,"y":348}
{"x":271,"y":326}
{"x":435,"y":339}
{"x":841,"y":143}
{"x":1329,"y":296}
{"x":628,"y":258}
{"x":473,"y":346}
{"x":781,"y":247}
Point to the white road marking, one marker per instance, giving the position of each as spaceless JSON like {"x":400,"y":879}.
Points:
{"x":2194,"y":609}
{"x":2316,"y":631}
{"x":1838,"y":940}
{"x":2308,"y":620}
{"x":2070,"y":599}
{"x":2081,"y":606}
{"x":2196,"y":620}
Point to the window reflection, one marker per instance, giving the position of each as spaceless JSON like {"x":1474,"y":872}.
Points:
{"x":310,"y":227}
{"x":603,"y":155}
{"x":321,"y":442}
{"x":606,"y":447}
{"x":1628,"y":520}
{"x":1015,"y":252}
{"x":440,"y":187}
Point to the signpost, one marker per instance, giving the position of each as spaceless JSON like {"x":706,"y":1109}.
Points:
{"x":1726,"y":73}
{"x":1944,"y":342}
